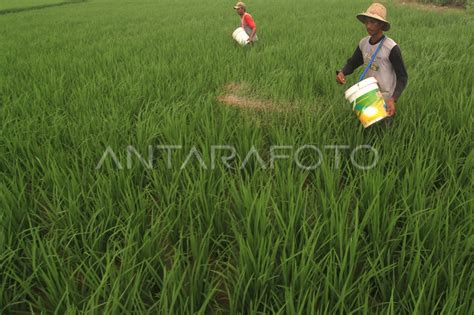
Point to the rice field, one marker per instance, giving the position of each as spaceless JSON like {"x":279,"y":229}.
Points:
{"x":447,"y":2}
{"x":128,"y":186}
{"x":13,"y":6}
{"x":9,"y":4}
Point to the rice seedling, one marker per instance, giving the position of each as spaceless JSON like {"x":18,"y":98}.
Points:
{"x":127,"y":186}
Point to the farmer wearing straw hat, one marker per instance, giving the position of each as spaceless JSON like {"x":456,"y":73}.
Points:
{"x":247,"y":22}
{"x":388,"y":66}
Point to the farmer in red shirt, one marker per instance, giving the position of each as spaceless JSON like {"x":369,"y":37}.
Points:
{"x":248,"y":24}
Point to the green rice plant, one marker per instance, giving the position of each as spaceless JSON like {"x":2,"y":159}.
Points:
{"x":98,"y":217}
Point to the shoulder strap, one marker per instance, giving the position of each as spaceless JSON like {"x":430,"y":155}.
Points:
{"x":372,"y":59}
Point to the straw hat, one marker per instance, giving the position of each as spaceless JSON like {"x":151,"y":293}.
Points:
{"x":240,"y":5}
{"x":378,"y":12}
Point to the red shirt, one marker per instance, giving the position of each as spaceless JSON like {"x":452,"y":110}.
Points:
{"x":247,"y":20}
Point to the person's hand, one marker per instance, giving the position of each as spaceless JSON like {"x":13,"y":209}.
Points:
{"x":341,"y":78}
{"x":390,"y":106}
{"x":250,"y":40}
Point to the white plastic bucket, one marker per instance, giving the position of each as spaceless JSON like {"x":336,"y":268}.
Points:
{"x":367,"y":101}
{"x":240,"y":36}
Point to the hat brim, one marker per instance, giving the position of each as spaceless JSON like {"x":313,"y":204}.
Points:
{"x":361,"y":17}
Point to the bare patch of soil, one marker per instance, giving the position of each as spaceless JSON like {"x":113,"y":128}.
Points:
{"x":240,"y":95}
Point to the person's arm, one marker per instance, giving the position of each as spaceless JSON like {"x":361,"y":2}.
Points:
{"x":396,"y":59}
{"x":352,"y":63}
{"x":251,"y":37}
{"x":251,"y":23}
